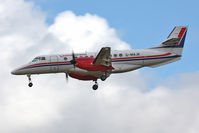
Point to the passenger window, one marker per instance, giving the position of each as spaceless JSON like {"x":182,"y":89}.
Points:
{"x":91,"y":56}
{"x":120,"y":55}
{"x":127,"y":54}
{"x":115,"y":55}
{"x":43,"y":58}
{"x":65,"y":58}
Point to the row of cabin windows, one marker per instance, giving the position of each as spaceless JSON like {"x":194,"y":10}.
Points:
{"x":127,"y":54}
{"x":114,"y":55}
{"x":65,"y":58}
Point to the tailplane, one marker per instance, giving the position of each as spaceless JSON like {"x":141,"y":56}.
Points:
{"x":175,"y":41}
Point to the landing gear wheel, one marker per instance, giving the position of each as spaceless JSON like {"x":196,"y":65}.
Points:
{"x":103,"y":77}
{"x":95,"y":87}
{"x":30,"y":84}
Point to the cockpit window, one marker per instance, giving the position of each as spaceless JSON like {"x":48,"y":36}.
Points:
{"x":43,"y":58}
{"x":35,"y":59}
{"x":38,"y":58}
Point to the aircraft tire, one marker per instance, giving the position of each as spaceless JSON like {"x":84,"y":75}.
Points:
{"x":103,"y":77}
{"x":30,"y":84}
{"x":95,"y":87}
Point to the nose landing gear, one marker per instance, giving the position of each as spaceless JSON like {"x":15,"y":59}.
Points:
{"x":30,"y":84}
{"x":95,"y":86}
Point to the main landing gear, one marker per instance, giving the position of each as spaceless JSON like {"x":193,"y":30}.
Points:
{"x":103,"y":77}
{"x":30,"y":84}
{"x":95,"y":86}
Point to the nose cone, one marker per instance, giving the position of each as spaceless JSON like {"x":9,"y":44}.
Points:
{"x":18,"y":71}
{"x":21,"y":70}
{"x":15,"y":72}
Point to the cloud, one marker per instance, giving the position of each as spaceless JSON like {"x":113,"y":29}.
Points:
{"x":89,"y":30}
{"x":124,"y":103}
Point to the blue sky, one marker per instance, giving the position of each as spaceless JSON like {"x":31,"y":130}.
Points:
{"x":141,"y":23}
{"x":152,"y":100}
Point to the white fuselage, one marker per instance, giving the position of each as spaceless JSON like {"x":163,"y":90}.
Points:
{"x":94,"y":66}
{"x":122,"y":61}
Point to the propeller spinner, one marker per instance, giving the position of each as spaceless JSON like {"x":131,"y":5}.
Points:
{"x":73,"y":61}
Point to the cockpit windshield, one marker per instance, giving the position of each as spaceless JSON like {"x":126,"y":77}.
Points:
{"x":38,"y":59}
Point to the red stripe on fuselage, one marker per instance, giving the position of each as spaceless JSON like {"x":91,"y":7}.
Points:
{"x":142,"y":57}
{"x":49,"y":63}
{"x":151,"y":56}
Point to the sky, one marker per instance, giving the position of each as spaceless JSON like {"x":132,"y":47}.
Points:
{"x":141,"y":24}
{"x":152,"y":100}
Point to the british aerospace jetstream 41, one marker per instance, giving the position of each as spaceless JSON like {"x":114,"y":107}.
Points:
{"x":94,"y":66}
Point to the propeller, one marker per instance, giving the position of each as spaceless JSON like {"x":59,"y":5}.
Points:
{"x":66,"y":77}
{"x":73,"y":60}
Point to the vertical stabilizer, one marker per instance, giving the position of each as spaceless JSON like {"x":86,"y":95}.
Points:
{"x":177,"y":35}
{"x":175,"y":41}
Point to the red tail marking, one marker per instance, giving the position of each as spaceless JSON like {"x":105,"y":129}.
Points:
{"x":181,"y":32}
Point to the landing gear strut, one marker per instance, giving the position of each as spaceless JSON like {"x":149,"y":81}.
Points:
{"x":95,"y":86}
{"x":104,"y":76}
{"x":30,"y":84}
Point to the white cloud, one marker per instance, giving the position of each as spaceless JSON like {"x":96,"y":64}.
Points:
{"x":88,"y":32}
{"x":122,"y":104}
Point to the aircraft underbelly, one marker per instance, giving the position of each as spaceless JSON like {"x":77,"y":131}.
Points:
{"x":119,"y":68}
{"x":77,"y":70}
{"x":127,"y":65}
{"x":149,"y":62}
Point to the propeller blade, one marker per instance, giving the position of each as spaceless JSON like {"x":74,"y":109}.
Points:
{"x":73,"y":55}
{"x":66,"y":77}
{"x":73,"y":59}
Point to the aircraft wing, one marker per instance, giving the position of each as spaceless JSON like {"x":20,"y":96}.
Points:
{"x":103,"y":57}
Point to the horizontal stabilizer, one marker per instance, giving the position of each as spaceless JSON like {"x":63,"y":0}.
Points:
{"x":171,"y":41}
{"x":176,"y":37}
{"x":174,"y":42}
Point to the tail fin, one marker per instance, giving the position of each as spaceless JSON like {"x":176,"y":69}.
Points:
{"x":176,"y":37}
{"x":175,"y":41}
{"x":173,"y":44}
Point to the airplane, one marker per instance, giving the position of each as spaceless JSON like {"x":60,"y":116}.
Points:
{"x":93,"y":66}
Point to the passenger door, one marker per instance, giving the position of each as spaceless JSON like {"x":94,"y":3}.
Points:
{"x":54,"y":64}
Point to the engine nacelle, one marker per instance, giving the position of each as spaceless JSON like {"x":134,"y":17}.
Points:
{"x":86,"y":63}
{"x":82,"y":77}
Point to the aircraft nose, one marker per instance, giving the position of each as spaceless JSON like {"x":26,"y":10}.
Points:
{"x":14,"y":72}
{"x":17,"y":71}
